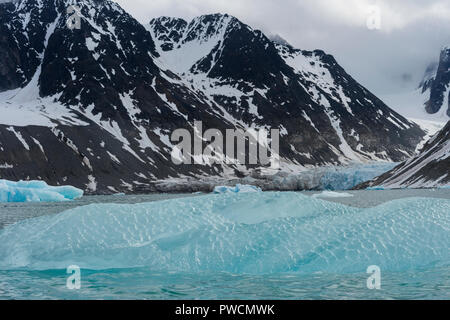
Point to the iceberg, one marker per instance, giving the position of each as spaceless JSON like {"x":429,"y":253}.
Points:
{"x":376,"y":188}
{"x":245,"y":233}
{"x":332,"y":194}
{"x":36,"y":191}
{"x":238,"y":188}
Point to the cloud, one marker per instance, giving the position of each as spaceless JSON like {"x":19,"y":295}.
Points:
{"x":411,"y":34}
{"x":395,"y":14}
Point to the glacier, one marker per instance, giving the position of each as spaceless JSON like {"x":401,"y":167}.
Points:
{"x":237,"y":233}
{"x":345,"y":178}
{"x":36,"y":191}
{"x":332,"y":178}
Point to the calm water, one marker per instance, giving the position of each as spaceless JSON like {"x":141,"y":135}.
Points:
{"x":430,"y":282}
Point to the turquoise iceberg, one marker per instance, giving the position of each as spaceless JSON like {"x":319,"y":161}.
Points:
{"x":36,"y":191}
{"x":244,"y":233}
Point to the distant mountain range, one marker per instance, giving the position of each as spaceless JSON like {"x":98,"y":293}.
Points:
{"x":95,"y":107}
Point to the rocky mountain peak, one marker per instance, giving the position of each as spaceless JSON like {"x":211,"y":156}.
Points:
{"x":101,"y":101}
{"x":439,"y":85}
{"x":168,"y":31}
{"x":428,"y":77}
{"x":206,"y":27}
{"x":445,"y":54}
{"x":174,"y":32}
{"x":276,"y":38}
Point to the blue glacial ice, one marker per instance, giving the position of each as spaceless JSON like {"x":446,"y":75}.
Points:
{"x":238,"y":188}
{"x":243,"y":233}
{"x":345,"y":178}
{"x":35,"y":191}
{"x":329,"y":177}
{"x":376,"y":188}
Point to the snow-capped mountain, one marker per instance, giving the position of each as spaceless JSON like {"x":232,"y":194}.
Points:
{"x":429,"y":102}
{"x":437,"y":87}
{"x":429,"y":169}
{"x":95,"y":107}
{"x":326,"y":115}
{"x":88,"y":107}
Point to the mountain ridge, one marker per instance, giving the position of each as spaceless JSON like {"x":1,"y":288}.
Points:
{"x":429,"y":169}
{"x":437,"y":86}
{"x":99,"y":104}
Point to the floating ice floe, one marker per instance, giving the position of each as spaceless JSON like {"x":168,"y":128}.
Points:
{"x":376,"y":188}
{"x":332,"y":194}
{"x":239,"y":188}
{"x":36,"y":191}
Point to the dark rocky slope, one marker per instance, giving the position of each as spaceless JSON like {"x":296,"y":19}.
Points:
{"x":95,"y":107}
{"x":437,"y":86}
{"x":429,"y":169}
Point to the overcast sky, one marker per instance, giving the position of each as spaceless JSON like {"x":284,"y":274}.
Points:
{"x":386,"y":60}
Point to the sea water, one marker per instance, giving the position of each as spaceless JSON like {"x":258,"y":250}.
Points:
{"x":232,"y":246}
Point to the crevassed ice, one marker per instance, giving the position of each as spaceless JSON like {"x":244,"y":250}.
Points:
{"x":345,"y":178}
{"x":35,"y":191}
{"x":252,"y":233}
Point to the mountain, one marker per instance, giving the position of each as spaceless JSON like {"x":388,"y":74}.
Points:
{"x":95,"y":107}
{"x":437,"y":88}
{"x":427,"y":104}
{"x":429,"y":169}
{"x":87,"y":107}
{"x":326,"y":115}
{"x":277,"y":39}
